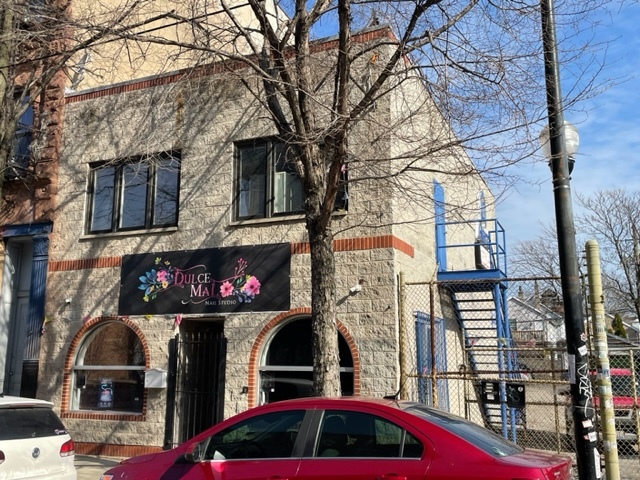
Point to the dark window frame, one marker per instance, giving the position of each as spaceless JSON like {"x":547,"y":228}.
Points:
{"x":291,"y":375}
{"x":271,"y":162}
{"x":32,"y":13}
{"x":20,"y":158}
{"x":272,"y":147}
{"x":150,"y":162}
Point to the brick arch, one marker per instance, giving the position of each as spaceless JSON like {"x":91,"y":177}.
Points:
{"x":254,"y":356}
{"x":70,"y":360}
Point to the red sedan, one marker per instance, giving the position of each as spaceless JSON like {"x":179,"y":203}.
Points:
{"x":345,"y":438}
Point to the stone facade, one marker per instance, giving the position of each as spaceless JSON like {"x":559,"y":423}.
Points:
{"x":383,"y":233}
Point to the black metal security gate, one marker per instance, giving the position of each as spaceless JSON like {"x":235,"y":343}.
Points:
{"x":195,"y":391}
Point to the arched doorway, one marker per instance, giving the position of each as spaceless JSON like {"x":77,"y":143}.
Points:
{"x":286,"y":368}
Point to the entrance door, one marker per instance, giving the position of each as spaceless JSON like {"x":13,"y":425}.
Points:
{"x":199,"y":387}
{"x":16,"y":282}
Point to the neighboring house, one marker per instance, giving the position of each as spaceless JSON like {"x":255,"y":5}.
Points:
{"x":29,"y":187}
{"x":619,"y":346}
{"x":534,"y":324}
{"x":632,"y":327}
{"x":540,"y":334}
{"x":176,"y":293}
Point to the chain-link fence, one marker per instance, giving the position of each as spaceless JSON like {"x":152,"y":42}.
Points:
{"x":494,"y":352}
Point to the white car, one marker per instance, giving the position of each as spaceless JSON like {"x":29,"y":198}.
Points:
{"x":34,"y":444}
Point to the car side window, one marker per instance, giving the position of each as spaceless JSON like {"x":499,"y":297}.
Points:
{"x":271,"y":435}
{"x":357,"y":434}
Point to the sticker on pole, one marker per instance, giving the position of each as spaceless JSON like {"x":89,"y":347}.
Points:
{"x":572,"y":369}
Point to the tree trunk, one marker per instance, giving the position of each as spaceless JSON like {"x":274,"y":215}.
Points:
{"x":326,"y":366}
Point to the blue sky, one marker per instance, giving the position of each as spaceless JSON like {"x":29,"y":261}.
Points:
{"x":609,"y":154}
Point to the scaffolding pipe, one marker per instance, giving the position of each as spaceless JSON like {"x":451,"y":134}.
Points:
{"x":432,"y":339}
{"x":634,"y":391}
{"x":401,"y":340}
{"x":603,"y":376}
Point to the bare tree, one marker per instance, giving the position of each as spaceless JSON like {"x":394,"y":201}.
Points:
{"x":537,"y":257}
{"x":43,"y":49}
{"x":470,"y":74}
{"x":612,"y":218}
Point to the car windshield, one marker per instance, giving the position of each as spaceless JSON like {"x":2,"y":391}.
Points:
{"x":20,"y":423}
{"x":482,"y":438}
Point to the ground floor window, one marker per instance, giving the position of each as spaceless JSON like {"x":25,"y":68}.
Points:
{"x":286,"y":369}
{"x":108,"y":374}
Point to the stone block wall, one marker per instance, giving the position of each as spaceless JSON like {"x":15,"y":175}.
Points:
{"x":202,"y":117}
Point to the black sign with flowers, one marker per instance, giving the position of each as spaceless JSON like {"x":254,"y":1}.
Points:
{"x":225,"y":280}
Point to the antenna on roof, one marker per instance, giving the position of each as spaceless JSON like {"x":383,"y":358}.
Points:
{"x":374,"y":19}
{"x":78,"y":71}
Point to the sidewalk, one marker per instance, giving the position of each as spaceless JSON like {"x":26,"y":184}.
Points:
{"x":90,"y":467}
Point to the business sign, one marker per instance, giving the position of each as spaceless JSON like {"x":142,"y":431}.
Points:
{"x":216,"y":280}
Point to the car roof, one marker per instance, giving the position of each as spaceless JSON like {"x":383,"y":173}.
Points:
{"x":309,"y":402}
{"x":7,"y":401}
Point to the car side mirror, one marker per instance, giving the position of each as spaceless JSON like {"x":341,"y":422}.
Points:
{"x":193,"y":455}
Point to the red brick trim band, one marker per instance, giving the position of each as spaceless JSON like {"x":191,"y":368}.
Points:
{"x":379,"y":33}
{"x":297,"y":248}
{"x":84,"y":264}
{"x":360,"y":243}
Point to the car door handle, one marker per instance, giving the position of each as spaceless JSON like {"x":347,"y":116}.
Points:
{"x":391,"y":476}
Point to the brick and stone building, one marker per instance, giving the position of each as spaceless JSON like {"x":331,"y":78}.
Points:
{"x":176,"y":296}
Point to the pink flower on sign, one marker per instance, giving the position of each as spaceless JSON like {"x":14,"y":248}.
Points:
{"x":252,"y":286}
{"x":226,"y":289}
{"x":161,"y":276}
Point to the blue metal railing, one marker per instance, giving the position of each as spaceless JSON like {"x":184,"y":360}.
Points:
{"x":489,"y":246}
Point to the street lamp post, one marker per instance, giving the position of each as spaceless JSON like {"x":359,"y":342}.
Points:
{"x":560,"y":139}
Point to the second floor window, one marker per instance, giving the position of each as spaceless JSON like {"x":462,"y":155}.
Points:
{"x":22,"y":138}
{"x":267,"y":184}
{"x":140,"y":193}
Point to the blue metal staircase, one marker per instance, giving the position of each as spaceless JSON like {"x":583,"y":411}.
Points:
{"x":478,"y":296}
